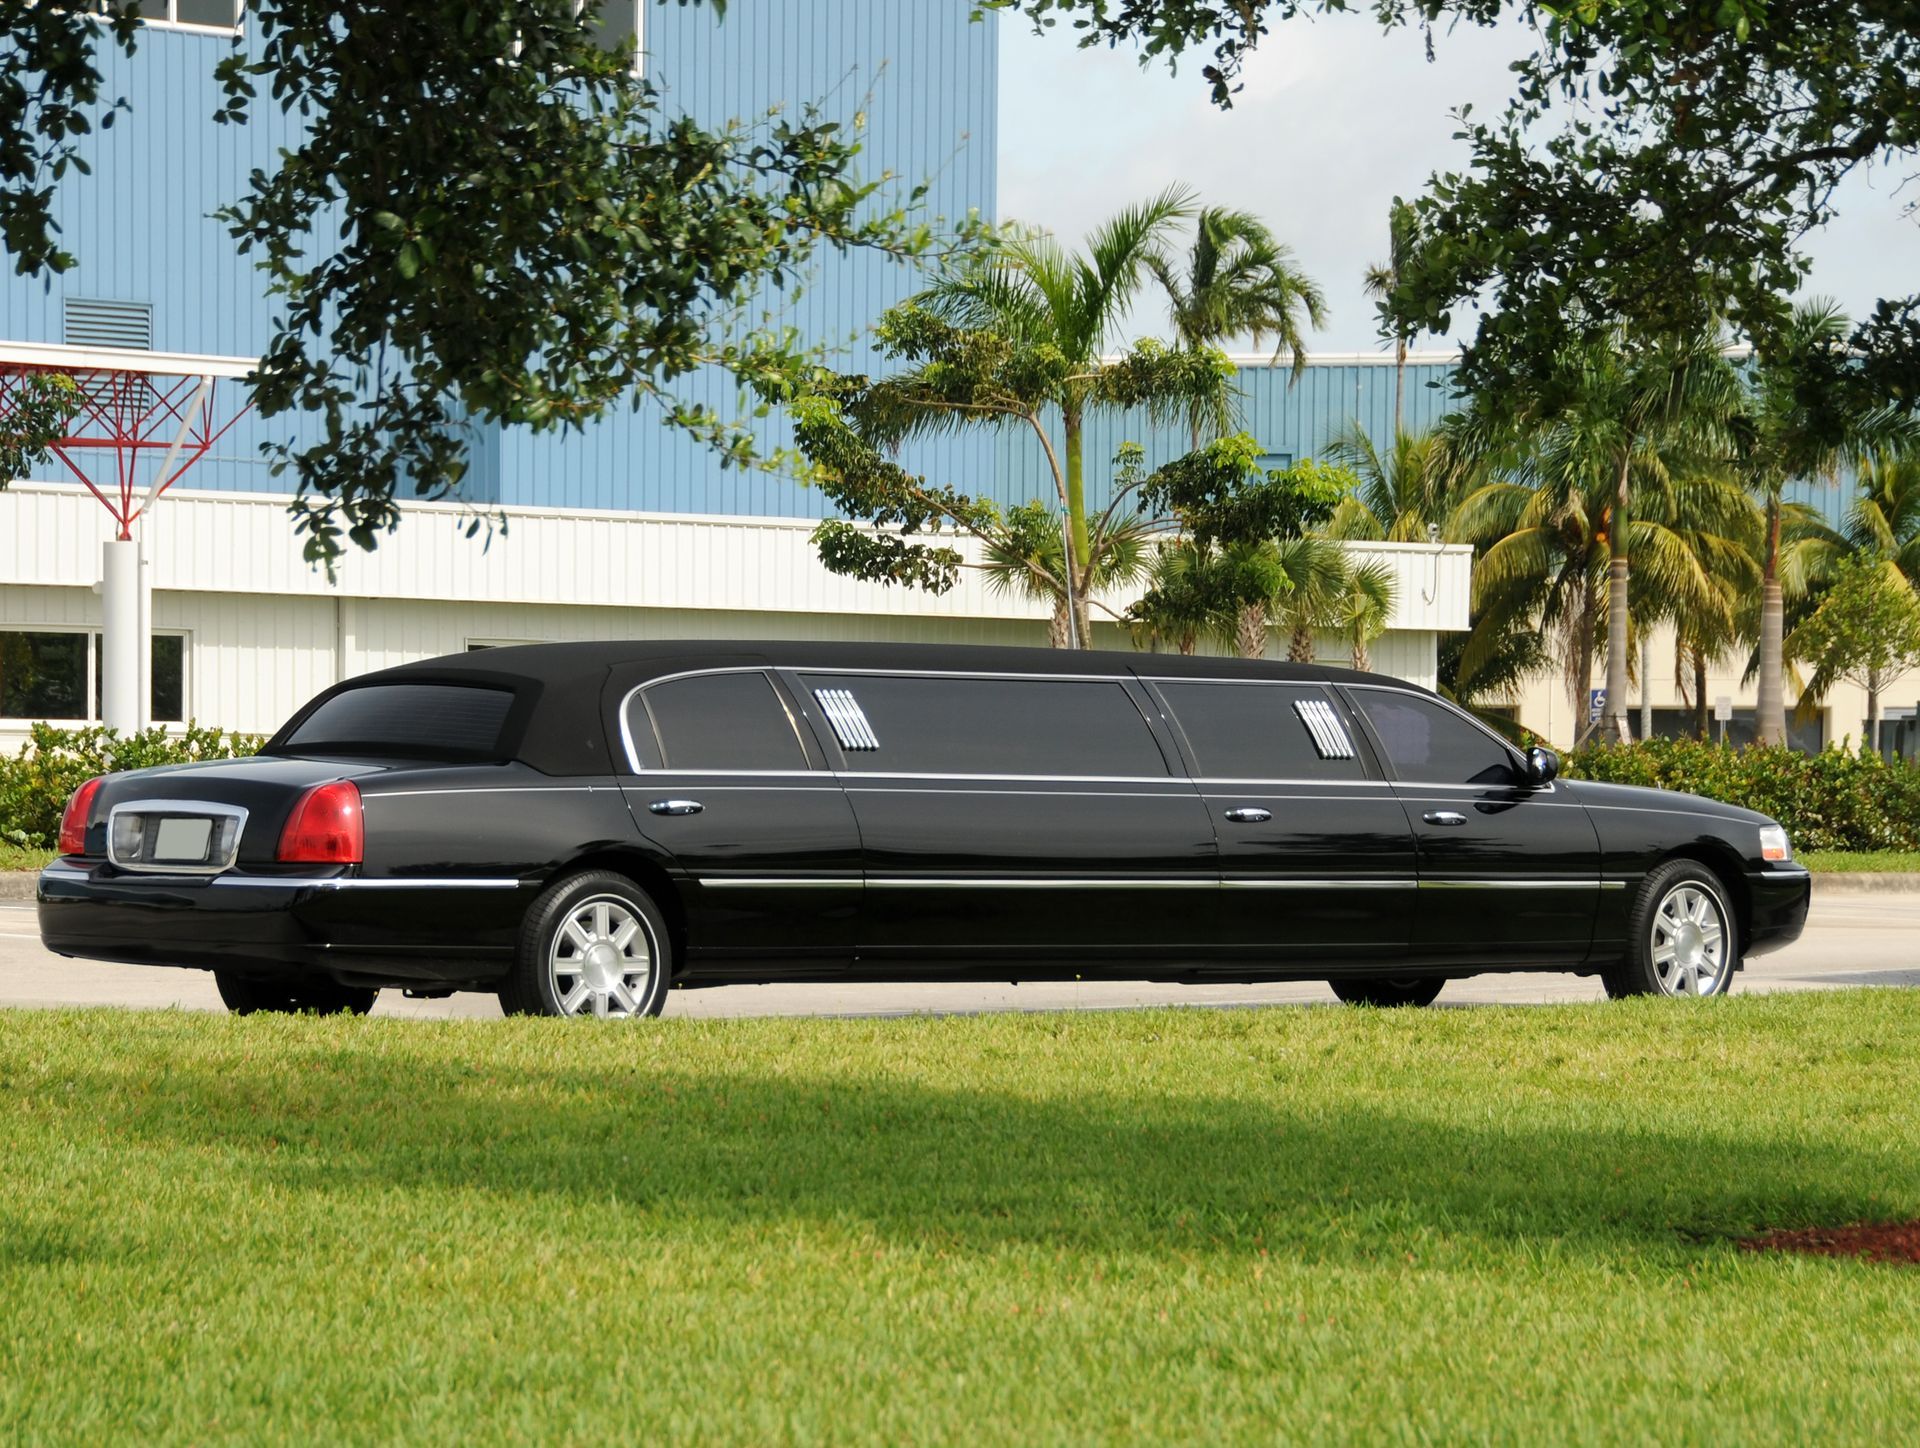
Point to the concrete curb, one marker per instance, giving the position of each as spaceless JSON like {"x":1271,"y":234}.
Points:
{"x":1893,"y":882}
{"x":18,"y":884}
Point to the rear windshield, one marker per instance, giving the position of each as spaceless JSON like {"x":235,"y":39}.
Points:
{"x":434,"y":720}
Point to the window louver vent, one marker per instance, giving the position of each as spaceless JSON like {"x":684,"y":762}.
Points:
{"x":849,"y":720}
{"x":86,"y":323}
{"x":1329,"y":734}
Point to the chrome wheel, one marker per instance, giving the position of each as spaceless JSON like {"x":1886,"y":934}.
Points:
{"x":602,"y":959}
{"x":1689,"y":941}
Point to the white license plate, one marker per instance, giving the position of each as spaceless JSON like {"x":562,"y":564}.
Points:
{"x":181,"y":842}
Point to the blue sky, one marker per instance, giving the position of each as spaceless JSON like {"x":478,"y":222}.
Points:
{"x":1335,"y":120}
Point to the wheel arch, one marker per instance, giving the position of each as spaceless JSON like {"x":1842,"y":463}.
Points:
{"x":1725,"y":865}
{"x":646,"y":872}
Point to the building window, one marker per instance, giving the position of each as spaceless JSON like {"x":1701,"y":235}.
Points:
{"x":44,"y":676}
{"x":216,"y":15}
{"x":55,"y":674}
{"x":616,"y":24}
{"x":1274,"y":462}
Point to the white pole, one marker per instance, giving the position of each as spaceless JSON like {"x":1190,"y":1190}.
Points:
{"x":120,"y":636}
{"x":143,"y":702}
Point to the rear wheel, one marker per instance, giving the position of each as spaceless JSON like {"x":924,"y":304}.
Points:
{"x":245,"y":996}
{"x":1682,"y":939}
{"x":1380,"y":990}
{"x":593,"y":945}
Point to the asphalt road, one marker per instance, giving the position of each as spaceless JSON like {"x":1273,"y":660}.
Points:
{"x":1850,"y":941}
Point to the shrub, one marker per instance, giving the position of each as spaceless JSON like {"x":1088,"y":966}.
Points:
{"x":1833,"y":800}
{"x":35,"y":783}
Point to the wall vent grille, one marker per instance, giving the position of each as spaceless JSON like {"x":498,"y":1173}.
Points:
{"x":88,"y":323}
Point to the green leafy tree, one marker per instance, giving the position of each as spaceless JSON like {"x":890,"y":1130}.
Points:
{"x":1865,"y":628}
{"x":1184,"y":600}
{"x":39,"y":407}
{"x":1259,"y":519}
{"x":1401,"y":493}
{"x":1654,"y":162}
{"x":1018,"y":340}
{"x":484,"y":216}
{"x":1800,"y":421}
{"x":1239,"y":281}
{"x":1027,"y":555}
{"x":1614,"y":419}
{"x":1365,"y":608}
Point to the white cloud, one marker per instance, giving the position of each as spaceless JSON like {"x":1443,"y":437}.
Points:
{"x":1335,"y":120}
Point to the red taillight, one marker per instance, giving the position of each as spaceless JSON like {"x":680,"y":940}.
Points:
{"x":325,"y":827}
{"x":73,"y":820}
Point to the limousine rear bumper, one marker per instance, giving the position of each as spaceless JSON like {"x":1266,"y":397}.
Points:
{"x":345,"y":928}
{"x":1777,"y":904}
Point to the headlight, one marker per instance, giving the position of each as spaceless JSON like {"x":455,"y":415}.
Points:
{"x":1774,"y":844}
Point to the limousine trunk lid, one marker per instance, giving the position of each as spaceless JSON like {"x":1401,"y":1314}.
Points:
{"x":202,"y":818}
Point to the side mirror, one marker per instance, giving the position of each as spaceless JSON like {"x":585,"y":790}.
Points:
{"x":1543,"y":766}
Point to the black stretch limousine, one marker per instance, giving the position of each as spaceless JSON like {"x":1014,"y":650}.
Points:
{"x":579,"y":827}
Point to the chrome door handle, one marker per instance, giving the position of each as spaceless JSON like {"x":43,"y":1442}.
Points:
{"x":1248,"y":815}
{"x":676,"y":806}
{"x":1444,"y":817}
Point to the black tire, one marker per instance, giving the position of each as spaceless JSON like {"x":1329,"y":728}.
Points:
{"x":1388,"y":991}
{"x":245,"y":996}
{"x":558,"y":972}
{"x":1663,"y":958}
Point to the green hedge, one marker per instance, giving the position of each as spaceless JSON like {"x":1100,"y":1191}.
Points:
{"x":35,"y":783}
{"x":1833,"y":800}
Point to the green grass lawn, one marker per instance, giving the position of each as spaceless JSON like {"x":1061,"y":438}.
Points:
{"x":1500,"y":1225}
{"x":1871,"y":861}
{"x":13,"y":857}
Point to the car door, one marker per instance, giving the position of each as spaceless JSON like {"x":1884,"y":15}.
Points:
{"x":1509,"y":872}
{"x":1016,"y":818}
{"x":1316,"y":856}
{"x":727,"y":780}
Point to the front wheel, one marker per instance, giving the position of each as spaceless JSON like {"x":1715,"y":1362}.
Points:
{"x":1682,"y":940}
{"x":593,"y":945}
{"x":245,"y":996}
{"x":1380,"y":990}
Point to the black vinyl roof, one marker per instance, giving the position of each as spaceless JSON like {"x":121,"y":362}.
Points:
{"x":649,"y":658}
{"x":558,"y":726}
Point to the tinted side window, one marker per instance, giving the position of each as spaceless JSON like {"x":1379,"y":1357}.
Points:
{"x":1430,"y":744}
{"x":990,"y":726}
{"x":722,"y":721}
{"x":408,"y":719}
{"x":1262,"y":731}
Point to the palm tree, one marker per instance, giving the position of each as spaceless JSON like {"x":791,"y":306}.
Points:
{"x":1618,"y":417}
{"x":1313,"y":598}
{"x":1034,"y":567}
{"x":1414,"y":485}
{"x":1181,"y":603}
{"x":1058,"y":310}
{"x":1239,"y":281}
{"x":1886,"y":515}
{"x":1800,"y":421}
{"x":1382,"y":280}
{"x":1366,"y":609}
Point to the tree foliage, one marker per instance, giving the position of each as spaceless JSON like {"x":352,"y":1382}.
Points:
{"x":484,"y":217}
{"x":1656,"y":163}
{"x":1865,"y":628}
{"x":39,"y":407}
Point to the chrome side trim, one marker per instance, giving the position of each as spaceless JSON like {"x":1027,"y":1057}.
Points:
{"x":1483,"y":883}
{"x":781,"y":882}
{"x":306,"y":882}
{"x":1301,"y":883}
{"x":944,"y":882}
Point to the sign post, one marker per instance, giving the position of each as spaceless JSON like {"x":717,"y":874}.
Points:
{"x":1723,"y":711}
